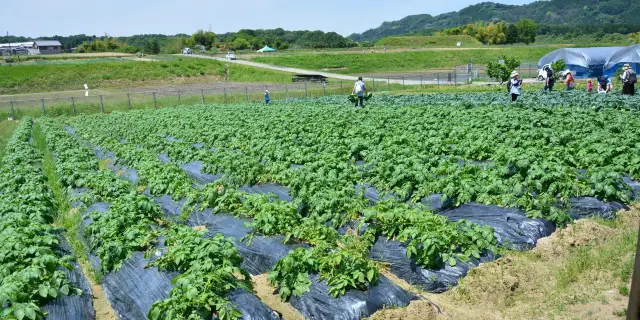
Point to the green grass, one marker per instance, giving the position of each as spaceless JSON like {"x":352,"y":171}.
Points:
{"x":69,"y":219}
{"x":125,"y":74}
{"x":429,"y":41}
{"x":6,"y":130}
{"x":404,"y":61}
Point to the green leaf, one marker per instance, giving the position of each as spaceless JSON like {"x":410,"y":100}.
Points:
{"x":65,"y":289}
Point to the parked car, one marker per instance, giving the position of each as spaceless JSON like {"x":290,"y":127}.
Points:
{"x":542,"y":74}
{"x":231,"y":56}
{"x":187,"y":51}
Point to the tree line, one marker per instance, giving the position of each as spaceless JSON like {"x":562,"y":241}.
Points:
{"x":523,"y":31}
{"x":245,"y":39}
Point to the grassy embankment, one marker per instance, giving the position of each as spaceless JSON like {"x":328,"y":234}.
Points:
{"x":6,"y":131}
{"x":429,"y":42}
{"x":405,"y":61}
{"x":125,"y":74}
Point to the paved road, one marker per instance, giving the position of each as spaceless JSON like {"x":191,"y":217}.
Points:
{"x":335,"y":75}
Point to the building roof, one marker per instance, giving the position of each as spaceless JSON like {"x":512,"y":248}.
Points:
{"x":629,"y":54}
{"x":48,"y":43}
{"x":17,"y":44}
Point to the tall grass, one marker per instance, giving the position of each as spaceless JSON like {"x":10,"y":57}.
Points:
{"x":429,"y":41}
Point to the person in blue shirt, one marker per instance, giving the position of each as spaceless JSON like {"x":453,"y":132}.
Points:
{"x":604,"y":85}
{"x":267,"y":98}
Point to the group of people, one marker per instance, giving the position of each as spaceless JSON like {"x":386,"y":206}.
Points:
{"x":605,"y":85}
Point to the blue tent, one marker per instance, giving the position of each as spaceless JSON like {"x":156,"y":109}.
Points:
{"x":583,"y":62}
{"x":630,"y":55}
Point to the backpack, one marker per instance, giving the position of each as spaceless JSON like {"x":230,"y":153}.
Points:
{"x":633,"y":78}
{"x":509,"y":86}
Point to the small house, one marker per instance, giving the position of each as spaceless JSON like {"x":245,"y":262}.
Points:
{"x":48,"y":46}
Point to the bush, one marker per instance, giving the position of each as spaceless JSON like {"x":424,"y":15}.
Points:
{"x":502,"y":71}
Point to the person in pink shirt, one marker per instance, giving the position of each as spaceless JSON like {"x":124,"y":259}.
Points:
{"x":589,"y":85}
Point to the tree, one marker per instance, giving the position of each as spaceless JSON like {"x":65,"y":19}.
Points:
{"x":205,"y":38}
{"x":558,"y":66}
{"x":527,"y":30}
{"x":240,"y":44}
{"x":512,"y":34}
{"x":502,"y":71}
{"x":152,"y":47}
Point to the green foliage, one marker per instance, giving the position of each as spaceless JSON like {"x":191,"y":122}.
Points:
{"x":558,"y":67}
{"x":526,"y":31}
{"x":502,"y":71}
{"x":204,"y":38}
{"x":33,"y":261}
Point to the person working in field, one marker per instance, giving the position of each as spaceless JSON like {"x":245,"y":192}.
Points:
{"x":629,"y":79}
{"x":589,"y":86}
{"x":515,"y":85}
{"x":359,"y":89}
{"x":550,"y":81}
{"x":570,"y":81}
{"x":267,"y":98}
{"x":604,"y":85}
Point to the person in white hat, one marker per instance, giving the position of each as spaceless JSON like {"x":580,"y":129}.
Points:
{"x":267,"y":98}
{"x":629,"y":79}
{"x":515,"y":85}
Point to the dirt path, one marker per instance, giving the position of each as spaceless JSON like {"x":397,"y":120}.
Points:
{"x":266,"y":294}
{"x":580,"y":272}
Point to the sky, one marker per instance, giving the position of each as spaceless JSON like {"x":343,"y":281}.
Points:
{"x":35,"y":18}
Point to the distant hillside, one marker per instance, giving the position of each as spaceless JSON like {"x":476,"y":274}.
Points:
{"x":571,"y":12}
{"x":429,"y":41}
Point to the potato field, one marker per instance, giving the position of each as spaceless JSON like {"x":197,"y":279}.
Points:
{"x":178,"y":208}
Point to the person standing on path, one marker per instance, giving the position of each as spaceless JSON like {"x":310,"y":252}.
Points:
{"x":267,"y":98}
{"x":515,"y":85}
{"x":570,"y":81}
{"x":359,"y":89}
{"x":629,"y":79}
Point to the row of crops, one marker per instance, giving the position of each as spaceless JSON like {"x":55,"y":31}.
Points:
{"x":181,"y":207}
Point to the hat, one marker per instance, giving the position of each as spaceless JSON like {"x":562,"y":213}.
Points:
{"x":626,"y":66}
{"x":514,"y":73}
{"x":267,"y":91}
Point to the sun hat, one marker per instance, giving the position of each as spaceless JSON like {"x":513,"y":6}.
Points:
{"x":514,"y":73}
{"x":626,"y":66}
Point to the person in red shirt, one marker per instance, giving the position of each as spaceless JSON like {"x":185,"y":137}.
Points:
{"x":570,"y":81}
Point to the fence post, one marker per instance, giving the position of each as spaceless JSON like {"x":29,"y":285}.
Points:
{"x":388,"y":84}
{"x":438,"y":81}
{"x":306,"y":94}
{"x":246,"y":93}
{"x":202,"y":94}
{"x":421,"y":82}
{"x":179,"y":97}
{"x":225,"y":95}
{"x":286,"y":90}
{"x":73,"y":106}
{"x":155,"y":105}
{"x":101,"y":105}
{"x":324,"y":90}
{"x":402,"y":82}
{"x":633,"y":309}
{"x":455,"y":78}
{"x":13,"y":113}
{"x":341,"y":87}
{"x":374,"y":84}
{"x":129,"y":100}
{"x":44,"y":112}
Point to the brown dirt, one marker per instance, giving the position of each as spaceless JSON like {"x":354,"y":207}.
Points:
{"x":523,"y":285}
{"x":265,"y":292}
{"x":101,"y":305}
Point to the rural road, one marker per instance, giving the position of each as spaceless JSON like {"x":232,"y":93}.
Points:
{"x":338,"y":76}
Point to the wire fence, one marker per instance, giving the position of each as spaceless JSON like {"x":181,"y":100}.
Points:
{"x":99,"y":102}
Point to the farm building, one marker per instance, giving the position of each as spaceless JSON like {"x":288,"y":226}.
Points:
{"x":48,"y":46}
{"x":583,"y":62}
{"x":630,"y":55}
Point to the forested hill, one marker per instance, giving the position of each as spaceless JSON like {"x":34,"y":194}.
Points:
{"x":571,"y":12}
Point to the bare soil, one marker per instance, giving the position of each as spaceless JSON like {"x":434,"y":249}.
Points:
{"x":266,"y":293}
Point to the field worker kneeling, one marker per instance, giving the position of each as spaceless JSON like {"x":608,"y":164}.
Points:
{"x":359,"y":89}
{"x":515,"y":86}
{"x":604,"y":85}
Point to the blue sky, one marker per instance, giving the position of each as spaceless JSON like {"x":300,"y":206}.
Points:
{"x":120,"y":18}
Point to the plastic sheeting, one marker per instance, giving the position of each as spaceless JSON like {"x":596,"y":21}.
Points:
{"x":76,"y":307}
{"x":589,"y":207}
{"x":431,"y":280}
{"x":635,"y":187}
{"x":355,"y":304}
{"x":630,"y":55}
{"x":511,"y":226}
{"x":584,"y":62}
